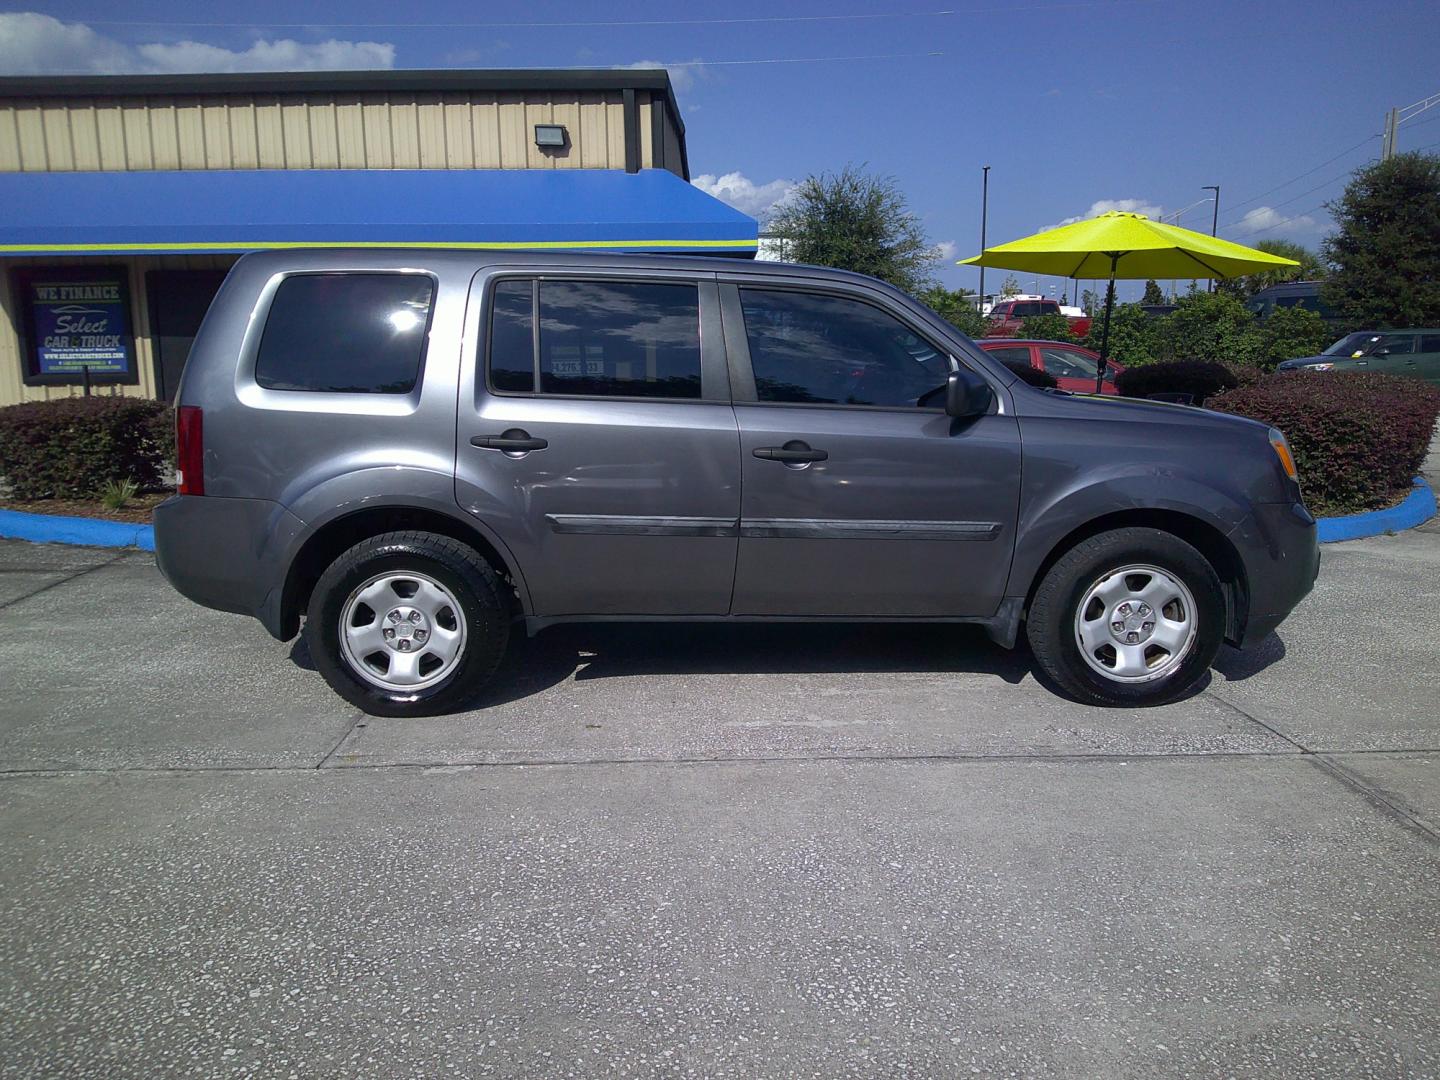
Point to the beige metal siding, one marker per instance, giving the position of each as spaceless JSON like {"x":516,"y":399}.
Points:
{"x":459,"y":130}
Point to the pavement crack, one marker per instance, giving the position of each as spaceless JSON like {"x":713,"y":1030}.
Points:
{"x":1325,"y":762}
{"x":354,"y":724}
{"x":64,"y":581}
{"x":1257,"y":721}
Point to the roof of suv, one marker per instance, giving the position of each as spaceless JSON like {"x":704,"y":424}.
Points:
{"x":343,"y":257}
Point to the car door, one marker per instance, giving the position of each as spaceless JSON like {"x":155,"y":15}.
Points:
{"x":1393,"y":354}
{"x":1427,"y":359}
{"x":596,"y":438}
{"x":859,"y":498}
{"x":1072,"y":369}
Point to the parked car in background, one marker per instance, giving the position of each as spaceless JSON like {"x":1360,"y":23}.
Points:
{"x":1411,"y":353}
{"x":416,"y":453}
{"x":1301,"y":294}
{"x":1006,"y":317}
{"x":1071,"y":366}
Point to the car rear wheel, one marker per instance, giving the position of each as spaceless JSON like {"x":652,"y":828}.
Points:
{"x":408,"y":624}
{"x":1128,"y":617}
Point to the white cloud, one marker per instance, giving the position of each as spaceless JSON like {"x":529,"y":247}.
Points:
{"x":35,"y":44}
{"x":947,"y":250}
{"x":737,"y":189}
{"x":1268,"y":219}
{"x":682,"y":76}
{"x":1104,"y":206}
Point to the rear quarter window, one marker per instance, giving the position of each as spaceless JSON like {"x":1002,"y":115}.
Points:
{"x":346,"y":333}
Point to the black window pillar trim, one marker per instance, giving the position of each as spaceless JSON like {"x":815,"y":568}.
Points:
{"x":632,"y":131}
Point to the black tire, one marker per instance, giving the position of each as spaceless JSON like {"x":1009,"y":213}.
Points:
{"x":1051,"y":622}
{"x":473,"y":582}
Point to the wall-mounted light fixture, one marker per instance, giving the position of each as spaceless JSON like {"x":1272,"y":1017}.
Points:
{"x":550,"y":136}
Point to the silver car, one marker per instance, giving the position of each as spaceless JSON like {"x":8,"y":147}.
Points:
{"x":414,"y":453}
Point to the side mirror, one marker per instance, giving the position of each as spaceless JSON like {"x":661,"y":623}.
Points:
{"x":966,"y":394}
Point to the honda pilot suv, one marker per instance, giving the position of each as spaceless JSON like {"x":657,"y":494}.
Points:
{"x":415,"y":453}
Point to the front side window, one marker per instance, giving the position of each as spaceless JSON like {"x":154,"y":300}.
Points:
{"x":346,"y":333}
{"x":1012,"y":356}
{"x":1396,"y":344}
{"x":597,"y":338}
{"x":813,"y":348}
{"x":1067,"y":364}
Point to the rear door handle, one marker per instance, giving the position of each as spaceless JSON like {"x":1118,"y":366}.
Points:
{"x":512,"y":441}
{"x":791,"y":451}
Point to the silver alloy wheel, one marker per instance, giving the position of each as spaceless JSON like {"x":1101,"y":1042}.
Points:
{"x":1136,"y":624}
{"x":402,"y":631}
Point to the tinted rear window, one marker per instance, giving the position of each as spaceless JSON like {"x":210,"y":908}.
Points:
{"x":346,"y":333}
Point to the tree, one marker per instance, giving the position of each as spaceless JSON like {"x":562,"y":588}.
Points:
{"x":1211,"y":326}
{"x":1133,"y":335}
{"x":856,"y":221}
{"x":1386,"y":247}
{"x":957,"y":308}
{"x":1153,"y":295}
{"x":1010,"y":287}
{"x":1046,"y":328}
{"x":1311,"y":268}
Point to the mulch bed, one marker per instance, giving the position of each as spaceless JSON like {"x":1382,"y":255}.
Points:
{"x":135,"y":512}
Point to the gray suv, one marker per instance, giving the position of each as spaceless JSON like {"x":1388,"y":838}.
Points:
{"x":416,"y":452}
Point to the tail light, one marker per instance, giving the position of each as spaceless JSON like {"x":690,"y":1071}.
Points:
{"x":189,"y":450}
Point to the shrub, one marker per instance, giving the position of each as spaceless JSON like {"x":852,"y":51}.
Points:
{"x":1046,"y":328}
{"x":1134,"y":335}
{"x":1358,"y":439}
{"x":73,"y":447}
{"x":1290,"y":332}
{"x":1031,"y":375}
{"x":1194,"y":377}
{"x":1211,"y":326}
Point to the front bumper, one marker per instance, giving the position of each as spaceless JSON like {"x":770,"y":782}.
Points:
{"x":227,"y":554}
{"x":1281,"y":551}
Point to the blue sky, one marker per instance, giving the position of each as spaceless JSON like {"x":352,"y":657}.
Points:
{"x":1076,"y":106}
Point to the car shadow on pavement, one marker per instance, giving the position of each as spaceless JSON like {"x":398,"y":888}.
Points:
{"x":615,"y":650}
{"x":1237,"y":665}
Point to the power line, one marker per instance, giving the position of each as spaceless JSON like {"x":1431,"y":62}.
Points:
{"x":1308,"y":172}
{"x":1321,"y":206}
{"x":801,"y":59}
{"x":598,"y":23}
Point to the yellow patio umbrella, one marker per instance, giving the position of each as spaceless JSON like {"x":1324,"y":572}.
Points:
{"x":1125,"y":245}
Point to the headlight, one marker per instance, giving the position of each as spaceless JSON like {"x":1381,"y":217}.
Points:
{"x":1282,"y":451}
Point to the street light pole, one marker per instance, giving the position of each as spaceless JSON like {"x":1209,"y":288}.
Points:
{"x":1214,"y":218}
{"x":984,"y":218}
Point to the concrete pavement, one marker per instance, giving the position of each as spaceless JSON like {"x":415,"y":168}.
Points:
{"x":718,"y":851}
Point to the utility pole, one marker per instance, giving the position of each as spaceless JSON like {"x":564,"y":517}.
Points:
{"x":1215,"y":218}
{"x":1392,"y":123}
{"x":984,"y":218}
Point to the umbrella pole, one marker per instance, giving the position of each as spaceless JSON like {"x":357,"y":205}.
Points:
{"x":1105,"y":329}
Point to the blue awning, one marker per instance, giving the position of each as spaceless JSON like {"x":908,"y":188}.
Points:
{"x":199,"y":212}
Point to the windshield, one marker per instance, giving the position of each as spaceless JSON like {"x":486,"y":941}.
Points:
{"x":1351,"y":344}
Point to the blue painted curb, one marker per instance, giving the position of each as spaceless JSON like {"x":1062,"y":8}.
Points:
{"x":1415,"y":509}
{"x":91,"y":532}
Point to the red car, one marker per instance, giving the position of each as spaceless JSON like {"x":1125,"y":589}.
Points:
{"x":1007,"y":315}
{"x":1072,"y":367}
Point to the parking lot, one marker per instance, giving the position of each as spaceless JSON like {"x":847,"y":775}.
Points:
{"x":716,"y":850}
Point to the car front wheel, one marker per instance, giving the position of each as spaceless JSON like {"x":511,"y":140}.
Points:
{"x":1128,"y":617}
{"x":408,"y":624}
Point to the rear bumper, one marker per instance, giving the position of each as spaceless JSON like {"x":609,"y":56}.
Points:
{"x":1281,"y":551}
{"x":227,"y":554}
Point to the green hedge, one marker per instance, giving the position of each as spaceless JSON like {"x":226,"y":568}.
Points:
{"x":1358,"y":439}
{"x":72,"y":447}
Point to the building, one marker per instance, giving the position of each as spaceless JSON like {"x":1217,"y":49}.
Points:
{"x":124,"y":199}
